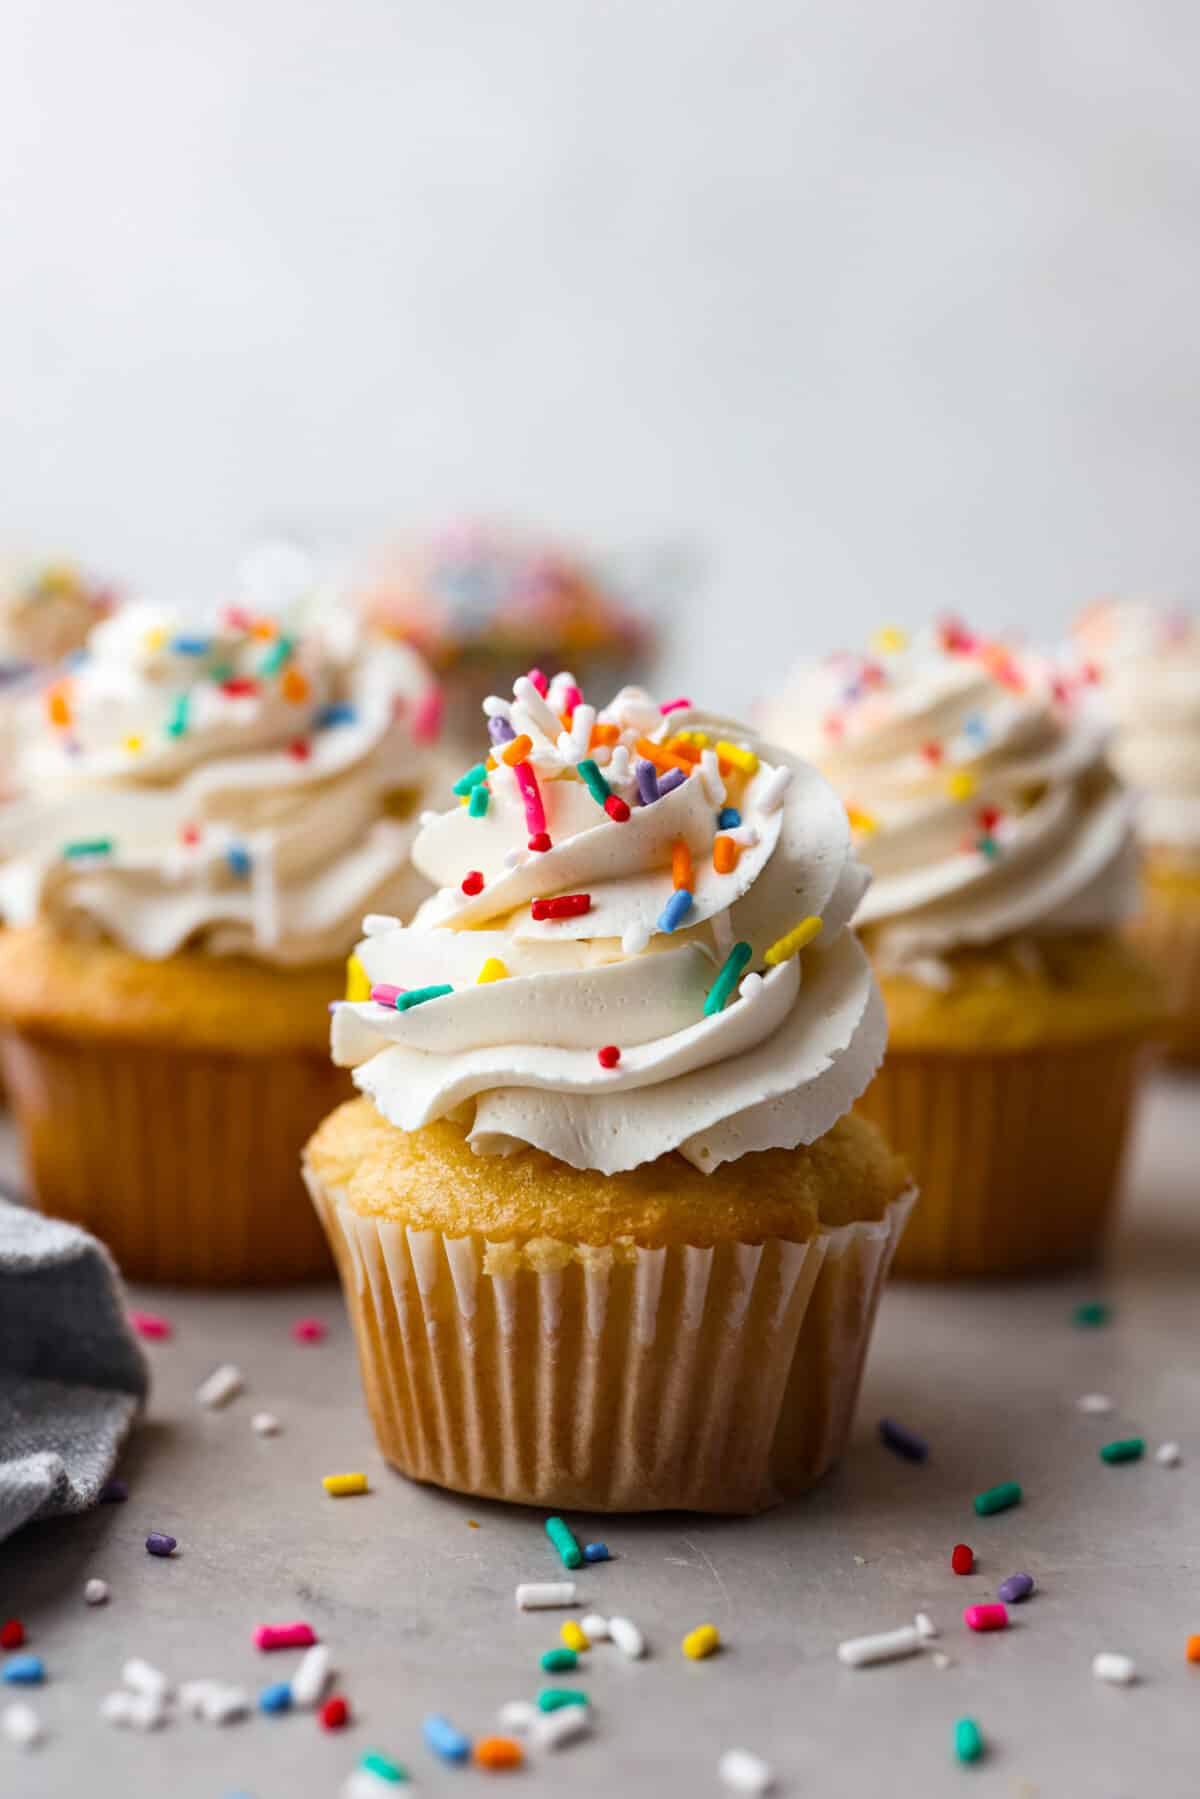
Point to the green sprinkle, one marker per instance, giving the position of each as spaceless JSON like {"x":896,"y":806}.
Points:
{"x":88,"y":846}
{"x":559,"y":1661}
{"x":374,"y":1763}
{"x":279,"y":653}
{"x":570,"y":1554}
{"x":998,"y":1499}
{"x":472,"y":778}
{"x":177,"y":723}
{"x":221,"y":671}
{"x":1092,"y":1315}
{"x":1125,"y":1449}
{"x":552,"y":1699}
{"x":479,"y":801}
{"x":594,"y":781}
{"x":727,"y":979}
{"x":968,"y":1740}
{"x":416,"y":996}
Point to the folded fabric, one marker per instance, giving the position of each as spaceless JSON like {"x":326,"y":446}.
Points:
{"x":72,"y":1374}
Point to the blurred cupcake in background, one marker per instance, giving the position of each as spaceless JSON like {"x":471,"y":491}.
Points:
{"x":46,"y":612}
{"x":1002,"y":853}
{"x":205,"y":815}
{"x":482,"y":604}
{"x":1146,"y":660}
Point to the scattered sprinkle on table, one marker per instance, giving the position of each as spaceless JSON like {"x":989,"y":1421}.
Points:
{"x":517,"y":1716}
{"x":962,"y":1559}
{"x":884,"y":1646}
{"x":1015,"y":1589}
{"x":284,"y":1636}
{"x":495,"y":1753}
{"x":223,"y":1385}
{"x":1193,"y":1649}
{"x":150,"y":1325}
{"x":594,"y":1627}
{"x":702,"y":1642}
{"x":968,"y":1740}
{"x":1168,"y":1455}
{"x":383,"y":1769}
{"x":627,"y":1637}
{"x":569,"y":1552}
{"x":744,"y":1772}
{"x":308,"y":1330}
{"x":1123,"y":1449}
{"x":20,"y":1725}
{"x":554,"y":1730}
{"x":1117,"y":1670}
{"x":309,"y":1680}
{"x":559,"y":1661}
{"x":335,"y":1713}
{"x":552,"y":1699}
{"x":1092,"y":1314}
{"x":538,"y":1595}
{"x":925,"y":1627}
{"x":997,"y":1499}
{"x":596,"y":1552}
{"x":986,"y":1617}
{"x":12,"y":1634}
{"x":23,"y":1671}
{"x":902,"y":1441}
{"x":159,"y":1543}
{"x":1094,"y":1403}
{"x":573,"y":1637}
{"x":265,"y":1424}
{"x":96,"y":1592}
{"x":343,"y":1486}
{"x":276,"y":1699}
{"x":446,"y":1742}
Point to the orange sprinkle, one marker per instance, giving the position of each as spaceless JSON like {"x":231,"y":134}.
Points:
{"x":725,"y":854}
{"x":604,"y":734}
{"x":262,"y":627}
{"x":517,"y":750}
{"x":682,"y":874}
{"x":661,"y":758}
{"x":680,"y":746}
{"x":294,"y":686}
{"x":1193,"y":1649}
{"x":489,"y":764}
{"x":58,"y":706}
{"x":498,"y":1752}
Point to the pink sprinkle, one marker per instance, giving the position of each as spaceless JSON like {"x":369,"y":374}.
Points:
{"x":472,"y":882}
{"x":284,"y":1636}
{"x":609,"y":1056}
{"x":150,"y":1325}
{"x":384,"y":994}
{"x":531,"y":793}
{"x":571,"y":698}
{"x":189,"y":834}
{"x":986,"y":1617}
{"x":540,"y":682}
{"x":427,"y":718}
{"x":308,"y":1330}
{"x":675,"y":706}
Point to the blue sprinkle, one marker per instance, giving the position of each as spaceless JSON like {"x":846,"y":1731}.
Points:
{"x":902,"y":1442}
{"x":596,"y":1552}
{"x":191,"y":646}
{"x":276,"y":1698}
{"x":75,"y":659}
{"x":441,"y":1736}
{"x":339,"y":714}
{"x":238,"y":859}
{"x":975,"y":725}
{"x":675,"y":910}
{"x":728,"y":818}
{"x":24,"y":1671}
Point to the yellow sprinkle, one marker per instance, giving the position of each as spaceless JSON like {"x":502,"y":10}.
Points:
{"x":342,"y":1485}
{"x":358,"y":984}
{"x":961,"y":785}
{"x":59,"y":577}
{"x":701,"y":1642}
{"x":861,"y":821}
{"x":701,"y":739}
{"x":154,"y":639}
{"x":573,"y":1637}
{"x":133,"y":745}
{"x":889,"y":641}
{"x":746,"y":760}
{"x":796,"y":939}
{"x":492,"y":970}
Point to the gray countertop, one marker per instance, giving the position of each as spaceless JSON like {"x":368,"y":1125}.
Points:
{"x":413,"y":1589}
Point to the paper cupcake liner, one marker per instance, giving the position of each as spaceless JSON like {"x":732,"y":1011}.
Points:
{"x":1169,"y":938}
{"x":1017,"y":1155}
{"x":186,"y":1164}
{"x":707,"y":1379}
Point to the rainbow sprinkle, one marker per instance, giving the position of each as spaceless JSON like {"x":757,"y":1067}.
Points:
{"x":785,"y":947}
{"x":417,"y":996}
{"x":493,"y":970}
{"x":675,"y":910}
{"x":478,"y":803}
{"x":731,"y":973}
{"x":471,"y":779}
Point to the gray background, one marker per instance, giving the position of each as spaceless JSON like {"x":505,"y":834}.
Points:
{"x":886,"y":307}
{"x":418,"y":1610}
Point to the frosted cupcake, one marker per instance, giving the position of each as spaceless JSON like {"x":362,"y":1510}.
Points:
{"x":1003,"y":860}
{"x":208,"y":813}
{"x":608,"y":1235}
{"x":46,"y":612}
{"x":1148,"y":659}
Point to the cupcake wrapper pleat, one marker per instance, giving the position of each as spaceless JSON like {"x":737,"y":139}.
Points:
{"x":1169,"y":938}
{"x":711,"y":1379}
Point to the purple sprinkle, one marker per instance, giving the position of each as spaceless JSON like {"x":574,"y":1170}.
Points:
{"x":673,"y":778}
{"x":114,"y":1492}
{"x":902,"y":1442}
{"x":1015,"y":1588}
{"x":499,"y":730}
{"x":159,"y":1543}
{"x":596,"y":1552}
{"x":647,"y":780}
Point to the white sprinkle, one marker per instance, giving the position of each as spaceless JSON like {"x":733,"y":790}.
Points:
{"x":378,"y":924}
{"x":1094,"y":1402}
{"x":1118,"y":1670}
{"x":860,"y":1652}
{"x":594,"y":1627}
{"x":553,"y":1729}
{"x":133,"y":1711}
{"x":774,"y":788}
{"x":619,"y":771}
{"x":192,"y":1695}
{"x":151,"y":1682}
{"x":559,"y":683}
{"x":222,"y":1385}
{"x":941,"y":1661}
{"x":360,"y":1783}
{"x":265,"y":1424}
{"x":751,"y":986}
{"x":744,"y":1772}
{"x":224,"y":1704}
{"x":925,"y":1626}
{"x":539,"y":1595}
{"x":1168,"y":1455}
{"x":518,"y":1717}
{"x":634,"y":939}
{"x":710,"y":774}
{"x":20,"y":1725}
{"x":495,"y":707}
{"x":308,"y":1682}
{"x":541,"y":715}
{"x":601,"y":755}
{"x":628,"y":1638}
{"x":96,"y":1592}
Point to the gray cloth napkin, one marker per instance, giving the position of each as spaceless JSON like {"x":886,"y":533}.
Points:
{"x":72,"y":1373}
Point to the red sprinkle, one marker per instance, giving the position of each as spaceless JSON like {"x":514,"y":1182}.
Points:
{"x":150,"y":1325}
{"x":189,"y":834}
{"x":567,"y":905}
{"x":932,"y":752}
{"x":308,"y":1330}
{"x":540,"y":843}
{"x":301,"y":749}
{"x":472,"y":882}
{"x":238,"y":685}
{"x":609,"y":1056}
{"x":12,"y":1634}
{"x":986,"y":1617}
{"x":987,"y":818}
{"x":963,"y":1559}
{"x":616,"y":808}
{"x":335,"y":1713}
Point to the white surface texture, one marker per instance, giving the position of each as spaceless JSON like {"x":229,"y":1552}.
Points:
{"x":884,"y":308}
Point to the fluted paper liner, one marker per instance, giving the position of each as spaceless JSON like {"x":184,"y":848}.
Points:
{"x":185,"y":1163}
{"x":1169,"y":938}
{"x":716,"y":1379}
{"x":1018,"y":1154}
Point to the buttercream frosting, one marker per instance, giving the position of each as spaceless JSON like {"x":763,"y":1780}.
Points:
{"x":689,"y":846}
{"x":233,"y":789}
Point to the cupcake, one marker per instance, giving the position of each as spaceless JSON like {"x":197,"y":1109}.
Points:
{"x":1147,"y":659}
{"x":607,"y":1231}
{"x":205,"y":817}
{"x":1003,"y":860}
{"x":480,"y":604}
{"x":46,"y":612}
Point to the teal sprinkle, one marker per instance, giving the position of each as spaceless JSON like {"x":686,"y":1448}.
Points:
{"x":177,"y":723}
{"x":279,"y":653}
{"x":570,"y":1554}
{"x":221,"y":671}
{"x":374,"y":1763}
{"x":968,"y":1740}
{"x":594,"y":781}
{"x":987,"y":846}
{"x":1125,"y":1449}
{"x":88,"y":846}
{"x":472,"y":778}
{"x":559,"y":1661}
{"x":479,"y":801}
{"x":997,"y":1499}
{"x":552,"y":1699}
{"x":416,"y":996}
{"x":727,"y":979}
{"x":1092,"y":1315}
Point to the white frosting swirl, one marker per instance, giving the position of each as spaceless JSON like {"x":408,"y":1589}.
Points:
{"x":226,"y":789}
{"x":518,"y":1057}
{"x":1149,"y":658}
{"x":979,"y":792}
